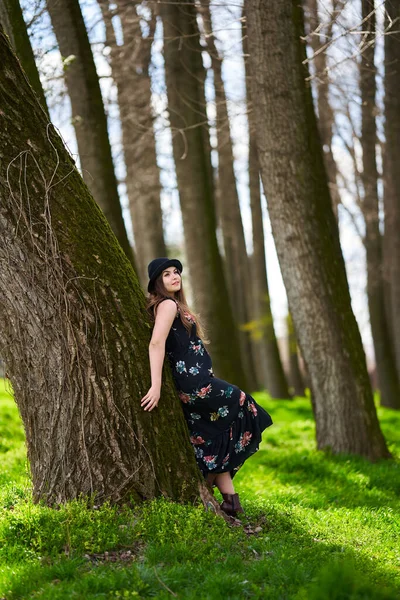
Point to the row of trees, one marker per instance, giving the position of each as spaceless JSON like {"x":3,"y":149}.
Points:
{"x":71,"y":307}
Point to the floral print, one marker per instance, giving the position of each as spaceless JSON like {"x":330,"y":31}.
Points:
{"x":204,"y":392}
{"x":243,"y":441}
{"x":186,"y":398}
{"x":252,"y":408}
{"x":195,"y":370}
{"x":189,"y":317}
{"x":224,"y":423}
{"x":196,"y":440}
{"x":221,"y":412}
{"x":181,"y":366}
{"x":227,"y":392}
{"x":210,"y":461}
{"x":197,"y":347}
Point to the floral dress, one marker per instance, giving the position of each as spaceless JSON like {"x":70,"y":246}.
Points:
{"x":225,"y":423}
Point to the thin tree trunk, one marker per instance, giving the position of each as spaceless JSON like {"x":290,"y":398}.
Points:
{"x":274,"y":377}
{"x":326,"y":116}
{"x":295,"y":376}
{"x":185,"y":76}
{"x":130,"y":64}
{"x":73,"y":327}
{"x":238,"y":274}
{"x":12,"y":20}
{"x":392,"y":170}
{"x":388,"y":381}
{"x":306,"y":233}
{"x":88,"y":114}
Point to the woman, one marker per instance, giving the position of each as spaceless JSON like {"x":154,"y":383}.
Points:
{"x":224,"y":422}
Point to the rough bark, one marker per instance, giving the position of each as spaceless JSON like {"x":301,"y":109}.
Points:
{"x":274,"y":378}
{"x":88,"y":114}
{"x":295,"y":376}
{"x":326,"y":116}
{"x":73,"y":327}
{"x":388,"y":381}
{"x":12,"y":20}
{"x":130,"y":64}
{"x":237,"y":270}
{"x":306,"y":234}
{"x":392,"y":170}
{"x":185,"y":74}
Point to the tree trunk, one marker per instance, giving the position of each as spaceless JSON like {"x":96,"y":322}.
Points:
{"x":130,"y":69}
{"x":73,"y":327}
{"x":274,"y":377}
{"x":392,"y":170}
{"x":306,"y":234}
{"x":385,"y":363}
{"x":12,"y":20}
{"x":326,"y":116}
{"x":88,"y":114}
{"x":295,"y":377}
{"x":228,"y":207}
{"x":185,"y":76}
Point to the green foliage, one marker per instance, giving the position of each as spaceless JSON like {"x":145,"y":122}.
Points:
{"x":328,"y":528}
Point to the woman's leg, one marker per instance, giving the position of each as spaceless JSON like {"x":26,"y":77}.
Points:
{"x":224,"y":483}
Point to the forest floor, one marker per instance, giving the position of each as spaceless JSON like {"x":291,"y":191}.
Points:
{"x":326,"y":527}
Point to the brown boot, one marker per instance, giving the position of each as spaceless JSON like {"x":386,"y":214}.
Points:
{"x":231,"y":504}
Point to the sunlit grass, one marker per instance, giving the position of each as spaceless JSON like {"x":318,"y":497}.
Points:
{"x":329,"y":528}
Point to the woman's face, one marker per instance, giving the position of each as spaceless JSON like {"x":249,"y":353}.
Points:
{"x":171,"y":279}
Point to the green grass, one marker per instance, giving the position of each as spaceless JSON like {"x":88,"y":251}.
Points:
{"x":330,"y":528}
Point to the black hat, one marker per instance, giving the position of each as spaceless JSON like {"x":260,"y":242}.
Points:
{"x":158,"y":265}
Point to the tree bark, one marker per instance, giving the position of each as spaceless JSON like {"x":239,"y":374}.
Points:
{"x":185,"y":76}
{"x":326,"y":118}
{"x":392,"y":170}
{"x":237,"y":270}
{"x":295,"y":376}
{"x":388,"y":381}
{"x":130,"y":63}
{"x":88,"y":114}
{"x":306,"y":233}
{"x":274,"y":378}
{"x":73,"y":327}
{"x":12,"y":20}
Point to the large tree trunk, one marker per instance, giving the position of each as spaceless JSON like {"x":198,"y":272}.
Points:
{"x":392,"y":169}
{"x":274,"y":378}
{"x":130,"y":64}
{"x":73,"y":327}
{"x":388,"y":381}
{"x":12,"y":20}
{"x":185,"y":76}
{"x":237,"y":269}
{"x":306,"y":233}
{"x":88,"y":114}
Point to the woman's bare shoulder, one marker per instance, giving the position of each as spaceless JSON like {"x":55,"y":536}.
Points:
{"x":167,"y":306}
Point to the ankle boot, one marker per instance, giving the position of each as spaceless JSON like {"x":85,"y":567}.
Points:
{"x":231,"y":504}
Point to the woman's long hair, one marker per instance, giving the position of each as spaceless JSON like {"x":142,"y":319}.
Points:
{"x":159,"y":293}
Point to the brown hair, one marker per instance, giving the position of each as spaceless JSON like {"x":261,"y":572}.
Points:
{"x":159,"y":293}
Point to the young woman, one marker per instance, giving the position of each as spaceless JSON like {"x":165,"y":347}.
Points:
{"x":224,"y":422}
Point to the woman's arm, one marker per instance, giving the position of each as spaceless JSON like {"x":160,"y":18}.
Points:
{"x":166,"y":313}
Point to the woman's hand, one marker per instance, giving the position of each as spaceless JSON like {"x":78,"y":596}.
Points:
{"x":150,"y":400}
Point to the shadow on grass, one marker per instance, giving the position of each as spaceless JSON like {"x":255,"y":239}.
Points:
{"x":338,"y":479}
{"x":284,"y":561}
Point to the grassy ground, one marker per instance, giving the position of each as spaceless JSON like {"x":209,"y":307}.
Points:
{"x":328,"y":527}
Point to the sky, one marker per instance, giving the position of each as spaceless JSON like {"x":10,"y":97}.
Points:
{"x":227,"y":27}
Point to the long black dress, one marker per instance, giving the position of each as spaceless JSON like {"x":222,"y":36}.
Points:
{"x":225,"y":423}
